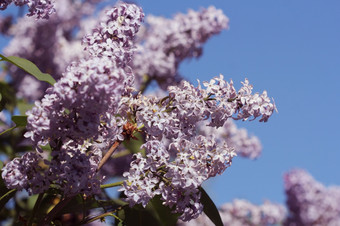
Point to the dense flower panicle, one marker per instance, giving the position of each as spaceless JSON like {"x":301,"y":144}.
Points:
{"x":81,"y":103}
{"x":309,"y":202}
{"x":243,"y":213}
{"x":167,"y":42}
{"x":78,"y":111}
{"x":244,"y":145}
{"x":25,"y":173}
{"x":50,"y":44}
{"x":39,"y":8}
{"x":177,"y":114}
{"x":114,"y":36}
{"x":220,"y":101}
{"x":176,"y":180}
{"x":75,"y":171}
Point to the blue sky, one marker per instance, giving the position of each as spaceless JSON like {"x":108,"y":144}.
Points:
{"x":291,"y":49}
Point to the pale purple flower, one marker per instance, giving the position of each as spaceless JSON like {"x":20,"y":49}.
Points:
{"x":165,"y":43}
{"x":176,"y":180}
{"x":25,"y":173}
{"x":114,"y":35}
{"x":39,"y":8}
{"x":245,"y":145}
{"x":75,"y":171}
{"x":309,"y":202}
{"x":81,"y":103}
{"x":243,"y":213}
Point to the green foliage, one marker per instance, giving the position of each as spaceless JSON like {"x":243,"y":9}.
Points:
{"x":20,"y":120}
{"x":210,"y":208}
{"x":8,"y":99}
{"x":29,"y":67}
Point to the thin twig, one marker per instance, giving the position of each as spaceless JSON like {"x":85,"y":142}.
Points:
{"x":108,"y":154}
{"x":112,"y":185}
{"x":35,"y":208}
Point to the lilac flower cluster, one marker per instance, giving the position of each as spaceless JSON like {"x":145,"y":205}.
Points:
{"x":177,"y":114}
{"x":309,"y":202}
{"x":78,"y":111}
{"x":50,"y":44}
{"x":81,"y":104}
{"x":88,"y":107}
{"x":73,"y":170}
{"x":178,"y":180}
{"x":39,"y":8}
{"x":245,"y":145}
{"x":167,"y":42}
{"x":25,"y":173}
{"x":176,"y":170}
{"x":243,"y":213}
{"x":114,"y":36}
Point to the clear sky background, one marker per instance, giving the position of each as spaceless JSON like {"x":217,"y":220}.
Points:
{"x":291,"y":48}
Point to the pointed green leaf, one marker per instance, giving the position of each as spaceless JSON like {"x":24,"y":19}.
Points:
{"x":20,"y":120}
{"x":162,"y":213}
{"x":29,"y":67}
{"x":210,"y":209}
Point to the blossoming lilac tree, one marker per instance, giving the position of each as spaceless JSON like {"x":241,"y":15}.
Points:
{"x":89,"y":120}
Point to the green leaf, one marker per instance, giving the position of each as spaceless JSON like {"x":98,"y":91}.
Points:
{"x":8,"y":99}
{"x":137,"y":216}
{"x":29,"y":67}
{"x":1,"y":164}
{"x":163,"y":213}
{"x":20,"y":120}
{"x":210,"y":209}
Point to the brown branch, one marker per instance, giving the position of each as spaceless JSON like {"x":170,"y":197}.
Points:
{"x":108,"y":154}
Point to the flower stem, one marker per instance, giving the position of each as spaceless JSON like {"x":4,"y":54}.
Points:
{"x":35,"y":208}
{"x":108,"y":154}
{"x":112,"y":184}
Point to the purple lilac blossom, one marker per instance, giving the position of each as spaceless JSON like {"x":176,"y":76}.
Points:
{"x":243,"y":213}
{"x":82,"y":103}
{"x":114,"y":36}
{"x":177,"y":114}
{"x":245,"y":145}
{"x":309,"y":202}
{"x":78,"y":110}
{"x":176,"y":180}
{"x":39,"y":8}
{"x":47,"y":43}
{"x":75,"y":170}
{"x":25,"y":173}
{"x":165,"y":43}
